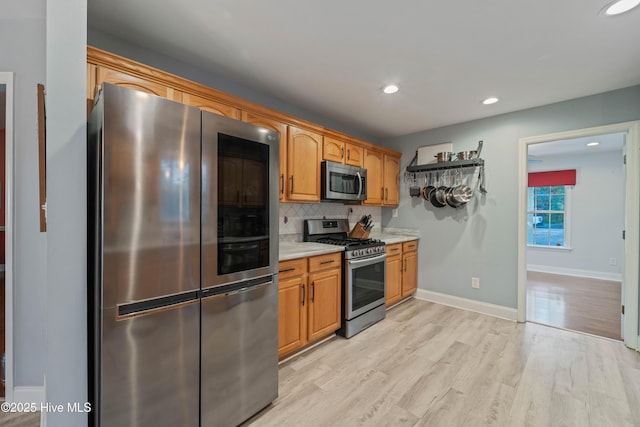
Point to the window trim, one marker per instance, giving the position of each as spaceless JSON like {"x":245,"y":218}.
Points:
{"x":568,"y":189}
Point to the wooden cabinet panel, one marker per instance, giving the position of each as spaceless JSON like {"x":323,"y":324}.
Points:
{"x":333,"y":149}
{"x":292,"y":315}
{"x":391,"y":180}
{"x":323,"y":262}
{"x":294,"y":267}
{"x":304,"y":151}
{"x":91,"y":86}
{"x":106,"y":75}
{"x":373,"y":163}
{"x":211,"y":106}
{"x":409,"y":273}
{"x":281,"y":128}
{"x":394,"y":279}
{"x":324,"y":303}
{"x":410,"y":246}
{"x":354,"y":155}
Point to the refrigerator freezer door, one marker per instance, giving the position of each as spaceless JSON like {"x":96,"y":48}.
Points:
{"x":150,"y":373}
{"x":239,"y":353}
{"x":151,"y":202}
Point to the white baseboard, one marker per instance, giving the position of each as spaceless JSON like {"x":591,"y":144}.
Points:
{"x":617,"y":277}
{"x":468,"y":304}
{"x":29,"y":395}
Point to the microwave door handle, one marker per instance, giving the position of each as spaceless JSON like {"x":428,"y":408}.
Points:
{"x":360,"y":186}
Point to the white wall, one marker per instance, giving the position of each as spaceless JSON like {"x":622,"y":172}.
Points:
{"x":481,"y":240}
{"x":66,"y":359}
{"x":596,"y":217}
{"x":22,"y":51}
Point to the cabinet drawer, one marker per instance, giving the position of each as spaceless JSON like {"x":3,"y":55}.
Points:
{"x":410,"y":246}
{"x":395,"y":249}
{"x":322,"y":262}
{"x":292,"y":268}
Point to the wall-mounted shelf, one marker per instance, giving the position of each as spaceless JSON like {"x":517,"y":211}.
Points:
{"x":456,"y":164}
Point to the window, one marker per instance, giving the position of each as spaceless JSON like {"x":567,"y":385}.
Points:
{"x":547,"y":216}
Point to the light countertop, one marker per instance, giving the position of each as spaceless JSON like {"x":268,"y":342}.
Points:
{"x":396,"y":235}
{"x":293,"y":250}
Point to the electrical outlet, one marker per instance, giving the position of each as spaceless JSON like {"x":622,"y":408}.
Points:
{"x":613,"y":261}
{"x":394,"y":213}
{"x":475,"y":282}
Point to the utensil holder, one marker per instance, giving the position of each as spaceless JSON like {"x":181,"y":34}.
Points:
{"x":358,"y":232}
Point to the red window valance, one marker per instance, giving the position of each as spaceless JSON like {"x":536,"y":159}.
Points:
{"x":552,"y":178}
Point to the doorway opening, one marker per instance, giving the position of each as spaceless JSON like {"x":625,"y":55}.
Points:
{"x":575,"y":252}
{"x":557,"y":232}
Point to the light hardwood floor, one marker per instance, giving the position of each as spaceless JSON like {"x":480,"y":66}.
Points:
{"x":431,"y":365}
{"x":576,"y":303}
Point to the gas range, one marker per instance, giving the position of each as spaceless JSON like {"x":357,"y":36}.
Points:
{"x":335,"y":232}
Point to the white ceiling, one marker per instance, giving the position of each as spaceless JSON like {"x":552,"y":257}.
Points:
{"x":333,"y":57}
{"x":608,"y":142}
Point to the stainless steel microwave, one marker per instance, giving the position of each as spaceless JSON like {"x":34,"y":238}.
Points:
{"x":343,"y":182}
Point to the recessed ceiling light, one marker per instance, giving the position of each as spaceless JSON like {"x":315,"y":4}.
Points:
{"x":593,"y":144}
{"x":490,"y":101}
{"x":390,"y":89}
{"x":620,"y":6}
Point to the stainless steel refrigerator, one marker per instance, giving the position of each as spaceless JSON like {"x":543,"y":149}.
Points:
{"x":183,"y":255}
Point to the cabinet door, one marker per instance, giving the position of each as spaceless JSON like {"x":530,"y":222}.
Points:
{"x":355,"y":155}
{"x":292,"y":315}
{"x":281,"y":128}
{"x":409,"y":273}
{"x":373,"y":165}
{"x":324,"y":303}
{"x":394,"y":279}
{"x":391,"y":180}
{"x":304,"y":151}
{"x":106,"y":75}
{"x":211,"y":106}
{"x":333,"y":149}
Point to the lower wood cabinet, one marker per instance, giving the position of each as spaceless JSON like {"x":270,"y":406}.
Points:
{"x":309,"y":298}
{"x":402,"y":271}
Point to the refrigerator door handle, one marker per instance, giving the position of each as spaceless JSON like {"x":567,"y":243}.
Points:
{"x":249,"y":288}
{"x":238,"y":287}
{"x":156,"y":304}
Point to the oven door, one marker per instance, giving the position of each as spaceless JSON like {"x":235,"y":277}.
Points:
{"x":364,"y":284}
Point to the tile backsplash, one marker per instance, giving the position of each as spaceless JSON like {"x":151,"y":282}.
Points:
{"x":292,"y":216}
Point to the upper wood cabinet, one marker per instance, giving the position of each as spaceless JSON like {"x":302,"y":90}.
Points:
{"x":304,"y":153}
{"x":282,"y":129}
{"x":333,"y":149}
{"x":303,"y":145}
{"x":211,"y":106}
{"x":107,"y":75}
{"x":374,"y":164}
{"x":391,"y":180}
{"x":355,"y":154}
{"x":340,"y":151}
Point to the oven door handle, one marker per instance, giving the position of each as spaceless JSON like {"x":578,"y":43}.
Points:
{"x":368,"y":260}
{"x":360,"y":186}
